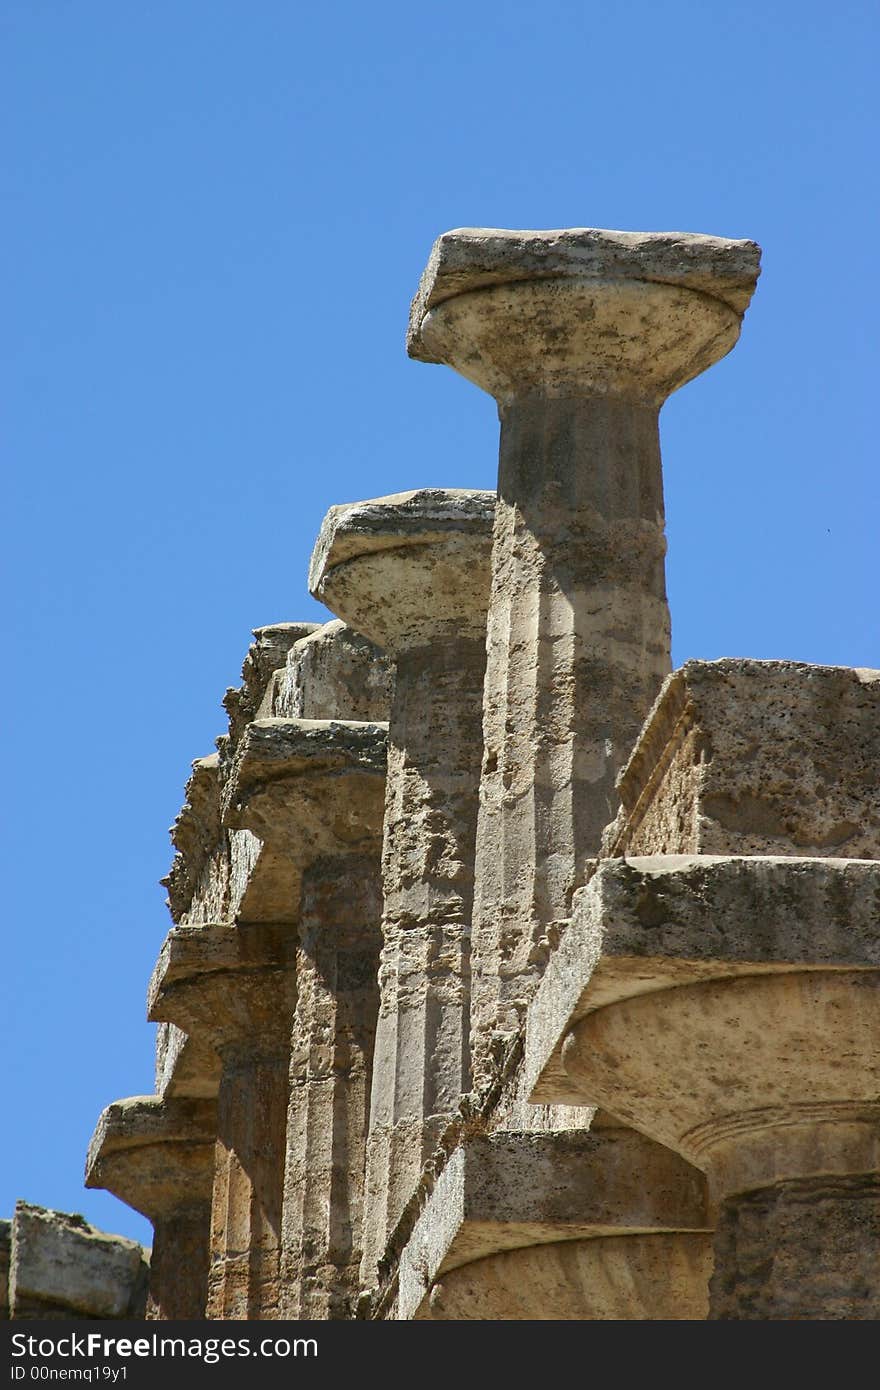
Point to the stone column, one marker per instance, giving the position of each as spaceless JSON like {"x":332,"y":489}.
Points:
{"x":411,"y":572}
{"x":580,"y":336}
{"x":157,"y":1156}
{"x":235,"y":987}
{"x":313,"y":791}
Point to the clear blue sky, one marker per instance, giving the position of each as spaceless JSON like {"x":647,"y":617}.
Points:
{"x":215,"y":215}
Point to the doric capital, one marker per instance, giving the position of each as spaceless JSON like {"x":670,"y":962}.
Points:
{"x":232,"y":985}
{"x":155,"y":1154}
{"x":409,"y":569}
{"x":581,"y":312}
{"x":310,"y":787}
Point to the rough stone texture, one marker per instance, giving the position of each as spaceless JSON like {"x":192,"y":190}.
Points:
{"x":579,"y":336}
{"x":756,"y":757}
{"x":433,"y":541}
{"x":311,"y":792}
{"x":210,"y":875}
{"x":157,"y":1155}
{"x":809,"y":1248}
{"x":331,"y":1070}
{"x":412,"y":572}
{"x":334,"y":673}
{"x":660,"y":922}
{"x":195,"y":835}
{"x":270,"y":787}
{"x":730,"y":1008}
{"x":509,"y":1191}
{"x":620,"y":1278}
{"x":61,"y":1267}
{"x":479,"y":258}
{"x":314,"y":793}
{"x":186,"y":1068}
{"x":266,"y":655}
{"x":235,"y":987}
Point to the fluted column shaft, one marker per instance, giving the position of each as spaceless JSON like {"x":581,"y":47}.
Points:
{"x":244,"y":1277}
{"x":805,"y":1249}
{"x":422,"y":1046}
{"x":412,"y":572}
{"x":578,"y":645}
{"x":330,"y":1072}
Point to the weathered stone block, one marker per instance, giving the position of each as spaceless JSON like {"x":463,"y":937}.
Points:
{"x":266,"y":655}
{"x":334,"y":673}
{"x":664,"y":921}
{"x":755,"y":757}
{"x":185,"y":1066}
{"x":510,"y":1191}
{"x":61,"y":1267}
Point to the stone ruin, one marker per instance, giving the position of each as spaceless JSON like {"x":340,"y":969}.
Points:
{"x":54,"y":1265}
{"x":513,"y":975}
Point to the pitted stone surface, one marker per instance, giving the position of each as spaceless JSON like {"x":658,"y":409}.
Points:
{"x":579,"y":335}
{"x":154,"y":1154}
{"x":267,"y":654}
{"x":408,"y":568}
{"x":274,"y":792}
{"x":475,"y":258}
{"x":824,"y":1235}
{"x":219,"y":981}
{"x":330,"y":1072}
{"x":61,"y":1267}
{"x":157,"y":1155}
{"x":738,"y":1022}
{"x":334,"y":673}
{"x":634,"y":315}
{"x":235,"y":987}
{"x":756,"y":757}
{"x":186,"y":1068}
{"x":195,"y":835}
{"x":632,"y":1277}
{"x":510,"y":1191}
{"x":660,"y":922}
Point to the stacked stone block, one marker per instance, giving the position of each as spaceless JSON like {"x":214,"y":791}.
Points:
{"x":557,"y":997}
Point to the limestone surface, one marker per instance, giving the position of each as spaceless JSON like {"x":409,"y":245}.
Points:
{"x":509,"y":1191}
{"x":333,"y":673}
{"x":234,"y":986}
{"x":476,"y":258}
{"x":755,"y":757}
{"x":157,"y":1155}
{"x":272,"y":793}
{"x":732,"y":1012}
{"x":408,"y":568}
{"x":663,"y":921}
{"x":266,"y":655}
{"x":411,"y":571}
{"x":631,"y":314}
{"x":61,"y":1267}
{"x":580,"y":336}
{"x":633,"y":1277}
